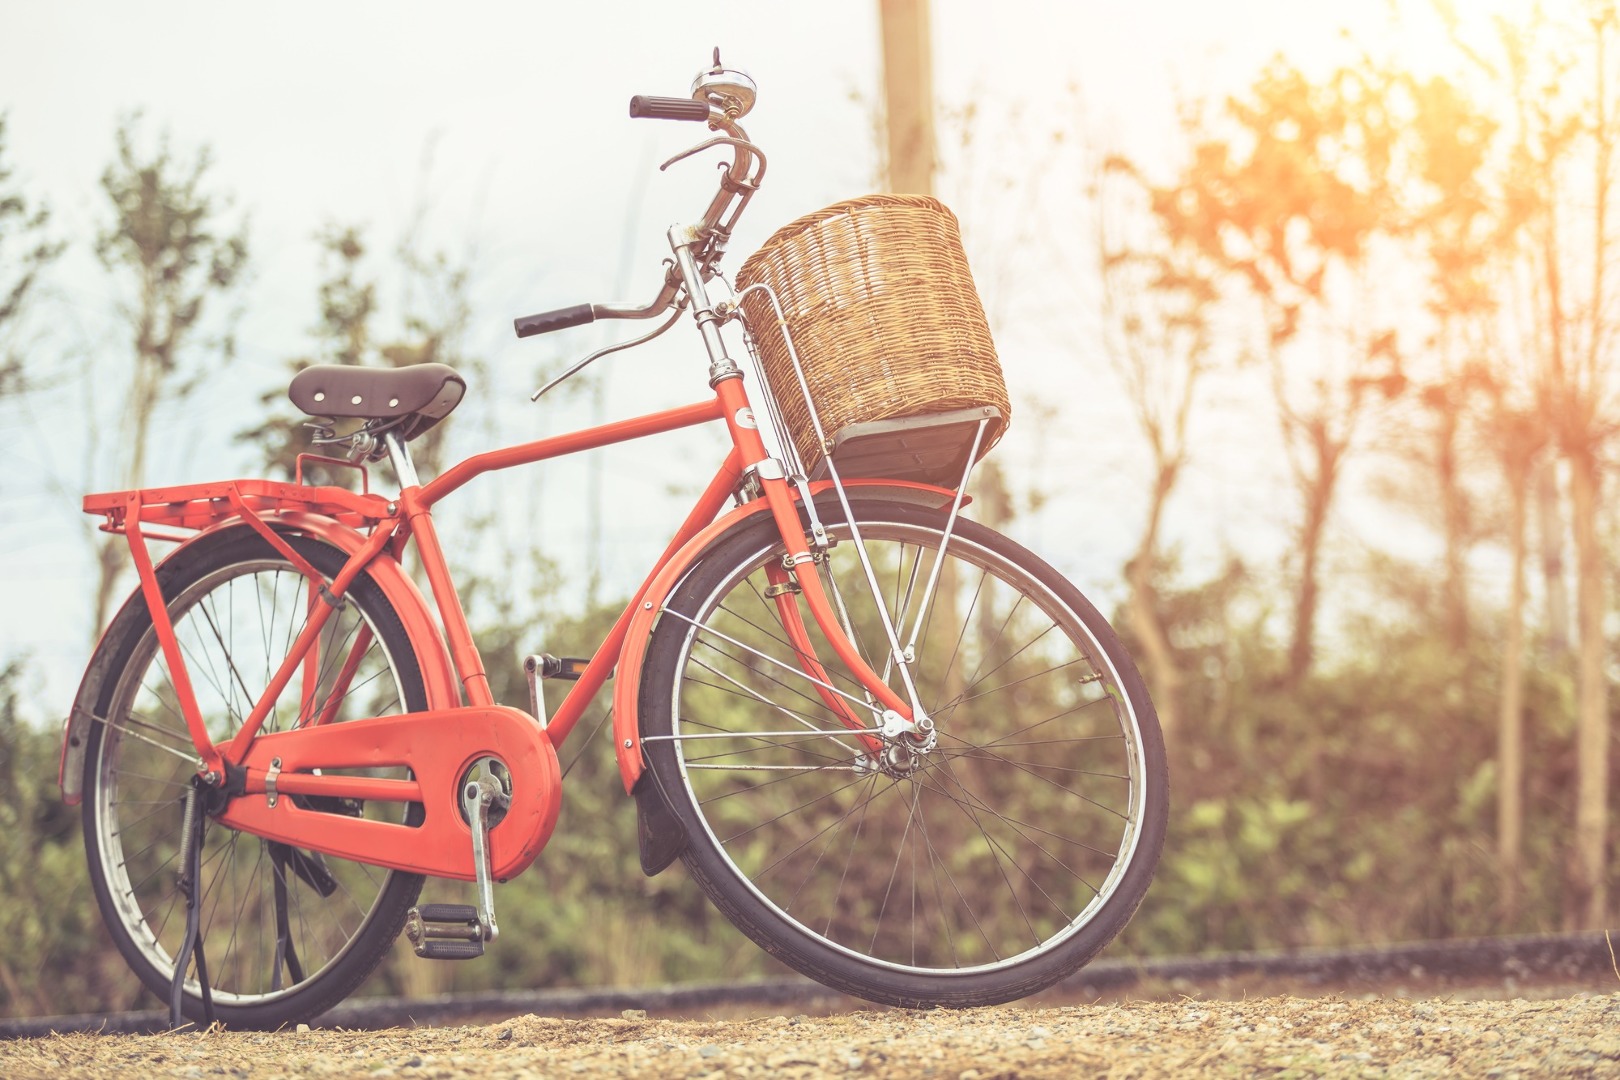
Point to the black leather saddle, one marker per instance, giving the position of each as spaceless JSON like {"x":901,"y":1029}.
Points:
{"x":414,"y":397}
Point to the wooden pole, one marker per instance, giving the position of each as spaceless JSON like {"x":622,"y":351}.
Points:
{"x":908,"y":94}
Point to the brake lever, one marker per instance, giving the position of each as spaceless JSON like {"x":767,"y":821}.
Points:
{"x":724,"y":140}
{"x":680,"y":306}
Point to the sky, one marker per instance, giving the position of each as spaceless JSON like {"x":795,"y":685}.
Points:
{"x":508,"y":122}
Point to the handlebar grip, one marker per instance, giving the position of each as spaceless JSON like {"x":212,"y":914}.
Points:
{"x":547,"y":321}
{"x":651,"y":107}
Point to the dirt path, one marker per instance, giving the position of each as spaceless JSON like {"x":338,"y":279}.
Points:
{"x":1279,"y":1036}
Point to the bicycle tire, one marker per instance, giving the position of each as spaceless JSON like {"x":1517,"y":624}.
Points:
{"x":820,"y":849}
{"x":235,"y":599}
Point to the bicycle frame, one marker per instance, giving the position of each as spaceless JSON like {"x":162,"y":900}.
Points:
{"x":463,"y":723}
{"x":253,"y":764}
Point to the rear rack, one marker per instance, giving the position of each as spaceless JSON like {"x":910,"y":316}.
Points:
{"x":197,"y":506}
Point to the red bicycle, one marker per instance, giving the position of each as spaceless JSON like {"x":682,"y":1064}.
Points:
{"x":898,"y":750}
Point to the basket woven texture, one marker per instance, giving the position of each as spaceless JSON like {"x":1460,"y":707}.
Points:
{"x":879,"y":300}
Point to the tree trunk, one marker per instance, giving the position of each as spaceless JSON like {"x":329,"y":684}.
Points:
{"x":1550,"y":529}
{"x":1318,"y":494}
{"x":908,"y":93}
{"x":1587,"y":901}
{"x":1455,"y":510}
{"x":1164,"y":675}
{"x":1510,"y":718}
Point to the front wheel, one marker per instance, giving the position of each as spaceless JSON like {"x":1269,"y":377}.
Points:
{"x":972,"y":868}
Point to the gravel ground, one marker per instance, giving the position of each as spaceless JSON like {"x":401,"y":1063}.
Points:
{"x":1273,"y":1036}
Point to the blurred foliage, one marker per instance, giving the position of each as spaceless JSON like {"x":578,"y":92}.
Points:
{"x":1340,"y":792}
{"x":1358,"y":806}
{"x":166,"y":246}
{"x":57,"y":957}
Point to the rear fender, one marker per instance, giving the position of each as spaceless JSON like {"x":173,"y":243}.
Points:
{"x":438,"y":679}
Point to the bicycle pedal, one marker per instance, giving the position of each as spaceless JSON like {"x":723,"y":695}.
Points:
{"x":546,"y":666}
{"x":445,"y":931}
{"x":542,"y":666}
{"x":450,"y":950}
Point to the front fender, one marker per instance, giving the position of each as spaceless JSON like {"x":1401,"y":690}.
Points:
{"x":438,"y":680}
{"x":627,"y":676}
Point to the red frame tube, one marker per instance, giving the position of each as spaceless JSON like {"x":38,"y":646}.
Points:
{"x":572,"y":442}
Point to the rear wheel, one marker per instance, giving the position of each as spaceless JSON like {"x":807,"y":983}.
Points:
{"x":974,"y":868}
{"x":285,"y":933}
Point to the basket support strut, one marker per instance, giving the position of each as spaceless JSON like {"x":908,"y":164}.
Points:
{"x":945,"y":542}
{"x":900,"y":657}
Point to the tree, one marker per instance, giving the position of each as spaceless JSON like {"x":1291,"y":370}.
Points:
{"x":168,"y":244}
{"x":1293,"y":202}
{"x":1583,"y":398}
{"x":436,"y":308}
{"x":1158,"y":300}
{"x":1563,"y":175}
{"x":25,"y":250}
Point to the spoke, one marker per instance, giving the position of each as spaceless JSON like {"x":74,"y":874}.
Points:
{"x":894,"y":871}
{"x":330,"y":652}
{"x":1095,"y":677}
{"x":137,"y":886}
{"x":746,"y":692}
{"x":266,"y":631}
{"x":749,"y":691}
{"x":996,"y":845}
{"x":243,"y":895}
{"x":990,"y":650}
{"x":938,"y":864}
{"x":1014,"y":826}
{"x":971,"y":814}
{"x":786,"y":813}
{"x":977,"y":678}
{"x":961,"y":635}
{"x":1067,"y":790}
{"x":203,"y":668}
{"x":752,"y":789}
{"x":158,"y":807}
{"x":987,"y":808}
{"x":165,"y":781}
{"x":148,"y":740}
{"x":722,"y":733}
{"x":1021,"y":650}
{"x":769,"y":659}
{"x":808,"y":874}
{"x":1042,"y":723}
{"x":774,"y":768}
{"x":971,"y":756}
{"x":230,"y":661}
{"x":135,"y":719}
{"x":854,"y":842}
{"x":800,"y":750}
{"x":838,"y":673}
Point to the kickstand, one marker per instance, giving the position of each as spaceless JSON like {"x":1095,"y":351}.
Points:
{"x":193,"y":825}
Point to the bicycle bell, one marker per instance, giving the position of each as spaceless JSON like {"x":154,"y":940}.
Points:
{"x":732,"y":90}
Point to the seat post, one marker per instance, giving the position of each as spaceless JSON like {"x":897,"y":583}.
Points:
{"x":399,"y":456}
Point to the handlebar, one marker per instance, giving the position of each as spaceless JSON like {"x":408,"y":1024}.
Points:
{"x":651,"y":107}
{"x":721,"y":97}
{"x":580,"y":314}
{"x":547,"y":321}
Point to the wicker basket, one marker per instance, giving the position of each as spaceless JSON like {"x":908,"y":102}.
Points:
{"x":877,"y":295}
